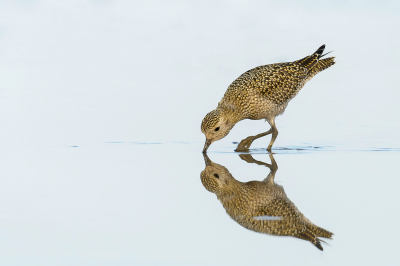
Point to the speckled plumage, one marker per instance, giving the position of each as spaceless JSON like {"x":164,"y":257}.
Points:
{"x":263,"y":93}
{"x":260,"y":206}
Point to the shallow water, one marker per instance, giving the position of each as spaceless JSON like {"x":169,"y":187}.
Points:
{"x":135,"y":204}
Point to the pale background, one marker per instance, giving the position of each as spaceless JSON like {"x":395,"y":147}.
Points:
{"x":93,"y":73}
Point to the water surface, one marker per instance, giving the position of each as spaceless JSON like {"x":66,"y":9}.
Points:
{"x":128,"y":203}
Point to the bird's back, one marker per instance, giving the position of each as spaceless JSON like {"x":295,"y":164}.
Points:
{"x":264,"y":91}
{"x":276,"y":82}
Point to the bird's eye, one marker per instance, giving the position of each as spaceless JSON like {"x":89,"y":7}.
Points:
{"x":216,"y":129}
{"x":216,"y":175}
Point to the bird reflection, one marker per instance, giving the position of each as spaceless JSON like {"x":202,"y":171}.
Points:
{"x":261,"y":206}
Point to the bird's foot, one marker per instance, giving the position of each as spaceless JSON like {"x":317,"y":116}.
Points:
{"x":245,"y":144}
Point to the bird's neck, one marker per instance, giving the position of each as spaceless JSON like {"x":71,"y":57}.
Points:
{"x":231,"y":114}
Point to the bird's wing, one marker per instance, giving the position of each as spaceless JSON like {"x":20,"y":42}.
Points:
{"x":281,"y":217}
{"x":278,"y":208}
{"x":278,"y":82}
{"x":284,"y":219}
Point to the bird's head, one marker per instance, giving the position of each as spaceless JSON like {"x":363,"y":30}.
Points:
{"x":215,"y":126}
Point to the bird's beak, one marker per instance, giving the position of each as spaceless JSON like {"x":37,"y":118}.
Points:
{"x":206,"y":159}
{"x":206,"y":145}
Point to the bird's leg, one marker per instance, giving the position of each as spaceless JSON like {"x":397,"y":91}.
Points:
{"x":245,"y":144}
{"x":274,"y":134}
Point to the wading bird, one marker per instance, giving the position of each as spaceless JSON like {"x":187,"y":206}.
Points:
{"x":261,"y":93}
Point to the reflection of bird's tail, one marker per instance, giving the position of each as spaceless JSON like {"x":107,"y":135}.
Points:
{"x":310,"y":236}
{"x":321,"y":232}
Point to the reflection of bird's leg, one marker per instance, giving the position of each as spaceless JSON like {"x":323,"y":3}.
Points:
{"x":273,"y":166}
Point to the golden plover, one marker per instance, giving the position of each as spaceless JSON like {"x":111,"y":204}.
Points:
{"x":260,"y":206}
{"x":261,"y":93}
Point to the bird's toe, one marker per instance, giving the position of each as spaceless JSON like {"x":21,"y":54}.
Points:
{"x":245,"y":144}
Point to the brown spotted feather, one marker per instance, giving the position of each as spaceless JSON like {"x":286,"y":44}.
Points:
{"x":244,"y":202}
{"x":262,"y":93}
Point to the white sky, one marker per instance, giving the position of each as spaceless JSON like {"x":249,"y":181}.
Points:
{"x":97,"y":71}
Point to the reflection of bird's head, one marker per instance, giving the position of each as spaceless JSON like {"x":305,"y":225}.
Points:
{"x":214,"y":177}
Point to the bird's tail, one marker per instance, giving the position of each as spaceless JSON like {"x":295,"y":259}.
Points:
{"x":323,"y":64}
{"x":311,"y":60}
{"x":313,"y":63}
